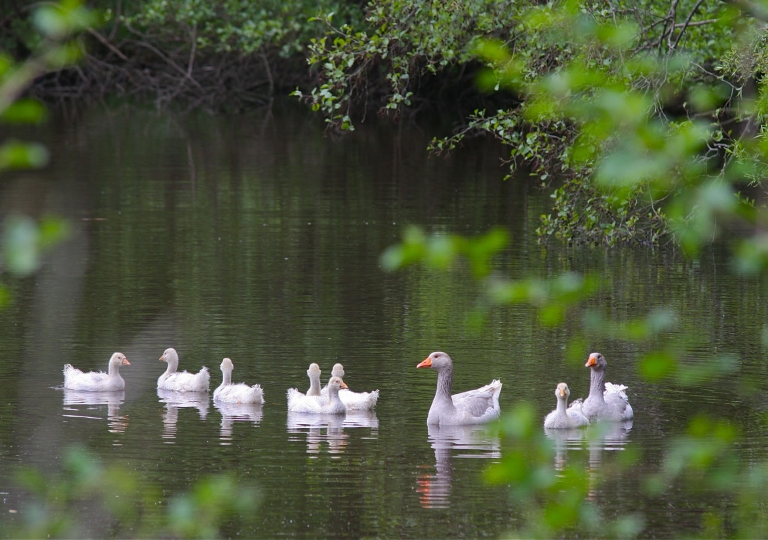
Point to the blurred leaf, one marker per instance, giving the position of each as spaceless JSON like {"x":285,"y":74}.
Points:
{"x":18,"y":155}
{"x":5,"y":296}
{"x":52,"y":231}
{"x":658,"y":321}
{"x":410,"y":251}
{"x":57,"y":21}
{"x":706,"y":369}
{"x":657,"y":365}
{"x":21,"y":245}
{"x":24,"y":111}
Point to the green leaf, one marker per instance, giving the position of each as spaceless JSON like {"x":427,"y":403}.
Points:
{"x":20,"y":245}
{"x":18,"y":155}
{"x":24,"y":111}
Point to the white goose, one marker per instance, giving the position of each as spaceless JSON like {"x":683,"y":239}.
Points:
{"x":472,"y":407}
{"x":181,"y":381}
{"x":562,"y":417}
{"x":610,"y":404}
{"x":314,"y":380}
{"x":355,"y":401}
{"x":97,"y":381}
{"x":330,"y":404}
{"x":236,"y":393}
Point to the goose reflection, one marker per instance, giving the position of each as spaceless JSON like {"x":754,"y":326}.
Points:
{"x":604,"y":437}
{"x":365,"y":419}
{"x":319,"y":428}
{"x":472,"y":441}
{"x":599,"y":438}
{"x":178,"y":400}
{"x":236,"y":412}
{"x":328,"y":429}
{"x":564,"y":440}
{"x":113,"y":400}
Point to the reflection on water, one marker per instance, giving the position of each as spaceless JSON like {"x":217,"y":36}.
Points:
{"x":178,"y":400}
{"x":319,"y":428}
{"x":564,"y":440}
{"x":601,"y":437}
{"x":113,"y":400}
{"x":365,"y":419}
{"x":447,"y":441}
{"x":329,"y":428}
{"x":236,"y":412}
{"x":267,"y":247}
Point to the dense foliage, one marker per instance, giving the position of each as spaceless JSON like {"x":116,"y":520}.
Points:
{"x":403,"y":59}
{"x":661,"y":51}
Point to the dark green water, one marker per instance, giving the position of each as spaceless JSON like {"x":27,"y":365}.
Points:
{"x":259,"y":239}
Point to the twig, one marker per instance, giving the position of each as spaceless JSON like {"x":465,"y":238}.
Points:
{"x":673,"y":11}
{"x":269,"y":74}
{"x":697,"y":23}
{"x":685,"y":25}
{"x":107,"y":44}
{"x":170,"y":62}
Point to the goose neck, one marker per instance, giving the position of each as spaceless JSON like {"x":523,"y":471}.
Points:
{"x":333,"y":394}
{"x":596,"y":384}
{"x":444,"y":385}
{"x":561,"y":405}
{"x":173,"y":362}
{"x":226,"y":377}
{"x":314,"y":385}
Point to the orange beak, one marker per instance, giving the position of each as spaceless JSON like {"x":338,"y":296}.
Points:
{"x":162,"y":358}
{"x":344,"y":385}
{"x":562,"y":392}
{"x":591,"y":362}
{"x":426,"y":363}
{"x":126,"y":362}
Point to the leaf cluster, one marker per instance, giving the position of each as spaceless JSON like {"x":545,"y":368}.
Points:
{"x":52,"y":501}
{"x":235,"y":26}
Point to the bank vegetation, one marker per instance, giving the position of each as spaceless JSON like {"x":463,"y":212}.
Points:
{"x":685,"y":60}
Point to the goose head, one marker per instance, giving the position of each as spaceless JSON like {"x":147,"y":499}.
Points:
{"x":562,"y":391}
{"x":170,"y":357}
{"x":119,"y":359}
{"x":338,"y":371}
{"x":437,"y":360}
{"x":313,"y":371}
{"x":226,"y":365}
{"x":335,"y":384}
{"x":596,"y":361}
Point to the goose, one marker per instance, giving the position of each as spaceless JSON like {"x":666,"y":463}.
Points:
{"x":314,"y":380}
{"x":355,"y":401}
{"x":472,"y":407}
{"x":330,"y":404}
{"x":97,"y":381}
{"x":181,"y":381}
{"x":562,"y":418}
{"x":610,"y":404}
{"x":236,"y":393}
{"x":337,"y":371}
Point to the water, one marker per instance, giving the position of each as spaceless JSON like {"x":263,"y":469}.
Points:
{"x":259,"y":239}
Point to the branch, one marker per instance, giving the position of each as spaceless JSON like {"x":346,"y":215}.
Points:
{"x":685,"y":25}
{"x":170,"y":62}
{"x":107,"y":44}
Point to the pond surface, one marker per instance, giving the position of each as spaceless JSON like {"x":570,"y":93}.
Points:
{"x":258,"y":239}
